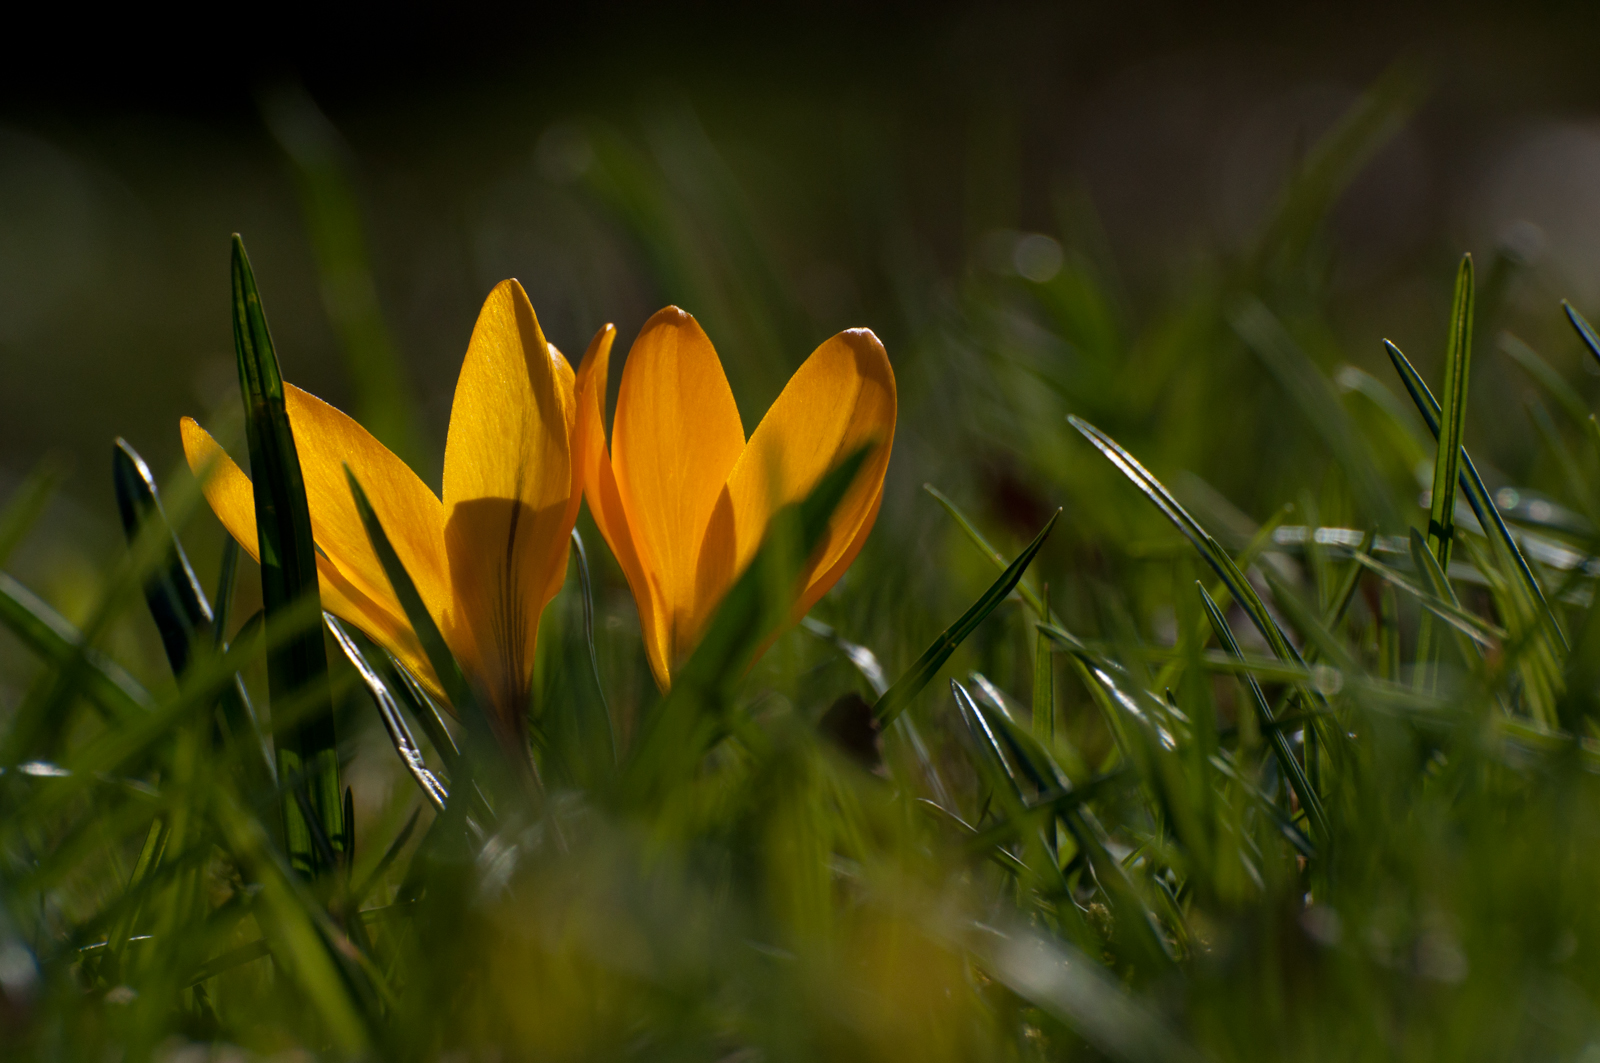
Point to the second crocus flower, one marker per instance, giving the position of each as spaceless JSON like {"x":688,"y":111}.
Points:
{"x":684,"y":500}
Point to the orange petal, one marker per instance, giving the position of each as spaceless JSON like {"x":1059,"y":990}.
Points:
{"x":227,"y":489}
{"x":232,"y":498}
{"x":676,"y":437}
{"x":508,"y":487}
{"x":841,"y":399}
{"x":411,"y":515}
{"x":605,"y":503}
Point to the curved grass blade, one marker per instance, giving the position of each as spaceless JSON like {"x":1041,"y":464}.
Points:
{"x":183,"y":616}
{"x":1035,"y":601}
{"x":425,"y":712}
{"x":1453,"y":416}
{"x":288,"y":574}
{"x":1474,"y":627}
{"x":176,"y":601}
{"x":393,"y":722}
{"x":1472,"y":484}
{"x":897,"y":697}
{"x":1292,"y":770}
{"x":1213,"y":553}
{"x":1586,"y":331}
{"x":483,"y":751}
{"x":865,"y":661}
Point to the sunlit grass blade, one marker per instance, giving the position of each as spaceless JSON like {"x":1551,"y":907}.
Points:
{"x":865,"y":661}
{"x":183,"y":616}
{"x":393,"y":722}
{"x":172,"y":592}
{"x":1035,"y":601}
{"x":28,"y":501}
{"x":1474,"y":627}
{"x":485,"y":755}
{"x":1310,"y":800}
{"x":1210,"y":550}
{"x":1453,"y":416}
{"x":425,"y":711}
{"x":898,"y":696}
{"x":1478,"y":497}
{"x":309,"y":751}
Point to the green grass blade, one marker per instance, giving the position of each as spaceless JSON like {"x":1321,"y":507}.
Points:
{"x":486,"y":755}
{"x":27,"y":503}
{"x":226,"y":579}
{"x":865,"y":661}
{"x":1232,"y":576}
{"x":1292,"y":770}
{"x":1586,"y":331}
{"x":172,"y":592}
{"x":425,"y":712}
{"x":389,"y":710}
{"x":117,"y":695}
{"x":1474,"y":627}
{"x":1472,"y":484}
{"x":183,"y":616}
{"x":1035,"y":601}
{"x":1453,"y":416}
{"x":898,"y":696}
{"x":288,"y":573}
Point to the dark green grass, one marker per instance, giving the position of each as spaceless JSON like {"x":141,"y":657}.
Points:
{"x":1158,"y":781}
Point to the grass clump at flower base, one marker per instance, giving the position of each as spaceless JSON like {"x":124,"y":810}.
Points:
{"x":1137,"y":779}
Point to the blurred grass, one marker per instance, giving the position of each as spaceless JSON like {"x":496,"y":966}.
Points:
{"x":1277,"y":809}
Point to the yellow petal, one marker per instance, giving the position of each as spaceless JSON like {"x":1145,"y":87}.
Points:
{"x":410,"y":513}
{"x":605,"y":504}
{"x":507,"y":495}
{"x":227,"y":489}
{"x":232,"y":498}
{"x":676,"y":437}
{"x":841,"y":399}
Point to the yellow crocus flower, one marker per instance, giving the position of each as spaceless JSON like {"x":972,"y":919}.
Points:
{"x":489,"y":557}
{"x":683,"y":500}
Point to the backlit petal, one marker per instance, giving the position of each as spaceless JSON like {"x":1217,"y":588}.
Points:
{"x":841,"y":399}
{"x":677,"y":436}
{"x":411,"y":515}
{"x":232,"y":498}
{"x":508,"y":481}
{"x":605,"y":504}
